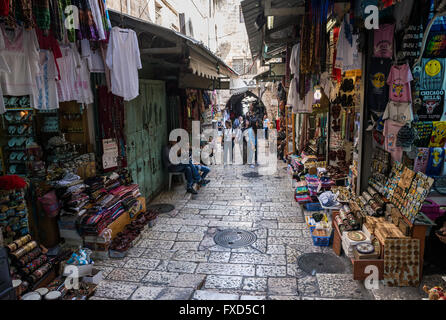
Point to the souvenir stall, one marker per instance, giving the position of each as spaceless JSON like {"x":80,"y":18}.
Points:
{"x":385,"y":150}
{"x":64,"y":182}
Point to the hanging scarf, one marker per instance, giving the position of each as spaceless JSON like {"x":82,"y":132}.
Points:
{"x":41,"y":9}
{"x":57,"y":24}
{"x":87,"y":27}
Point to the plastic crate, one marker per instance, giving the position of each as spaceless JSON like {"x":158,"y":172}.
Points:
{"x":322,"y":241}
{"x":310,"y":223}
{"x":313,"y":206}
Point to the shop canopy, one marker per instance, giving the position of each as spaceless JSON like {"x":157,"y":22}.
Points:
{"x":269,"y":24}
{"x":171,"y":48}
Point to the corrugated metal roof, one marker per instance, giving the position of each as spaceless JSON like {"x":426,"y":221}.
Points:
{"x":252,"y":9}
{"x":171,"y":35}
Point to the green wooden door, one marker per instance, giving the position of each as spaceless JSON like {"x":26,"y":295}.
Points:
{"x":146,"y":130}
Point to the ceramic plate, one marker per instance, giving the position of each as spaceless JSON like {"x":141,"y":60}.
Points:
{"x":356,"y":236}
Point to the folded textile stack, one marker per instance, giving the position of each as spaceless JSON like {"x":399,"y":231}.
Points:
{"x":96,"y":187}
{"x":312,"y":184}
{"x":75,"y":200}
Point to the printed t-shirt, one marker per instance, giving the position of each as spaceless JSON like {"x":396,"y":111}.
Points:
{"x":432,"y":75}
{"x":421,"y":160}
{"x":391,"y":129}
{"x":424,"y":132}
{"x":399,"y":83}
{"x":383,"y":41}
{"x":378,"y":96}
{"x":399,"y":112}
{"x":438,"y":138}
{"x":436,"y":162}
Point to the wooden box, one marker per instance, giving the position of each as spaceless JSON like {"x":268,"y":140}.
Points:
{"x":359,"y":267}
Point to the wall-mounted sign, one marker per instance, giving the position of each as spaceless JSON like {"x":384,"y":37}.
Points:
{"x":110,"y":157}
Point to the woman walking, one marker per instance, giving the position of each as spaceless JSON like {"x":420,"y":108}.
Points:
{"x":251,"y":144}
{"x":228,"y":136}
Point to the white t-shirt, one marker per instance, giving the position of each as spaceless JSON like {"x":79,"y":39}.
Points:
{"x":21,"y":55}
{"x":399,"y":112}
{"x":93,"y":57}
{"x":123,"y":59}
{"x":68,"y":65}
{"x":229,"y":133}
{"x":347,"y":56}
{"x":46,"y":97}
{"x":74,"y":84}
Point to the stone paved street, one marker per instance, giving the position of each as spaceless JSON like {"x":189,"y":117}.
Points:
{"x":178,"y":258}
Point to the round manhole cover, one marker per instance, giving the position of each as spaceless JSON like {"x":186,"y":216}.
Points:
{"x":162,"y":208}
{"x":234,"y":239}
{"x":252,"y":175}
{"x":313,"y":263}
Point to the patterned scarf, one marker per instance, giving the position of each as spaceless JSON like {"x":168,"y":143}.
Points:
{"x":87,"y":27}
{"x":41,"y":10}
{"x":57,"y":24}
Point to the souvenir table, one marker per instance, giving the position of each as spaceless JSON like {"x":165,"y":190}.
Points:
{"x":404,"y":191}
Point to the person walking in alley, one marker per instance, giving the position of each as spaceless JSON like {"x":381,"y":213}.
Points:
{"x":251,"y":144}
{"x":228,"y":137}
{"x":265,"y":126}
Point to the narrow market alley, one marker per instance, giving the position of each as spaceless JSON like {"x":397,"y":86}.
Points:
{"x":178,"y":259}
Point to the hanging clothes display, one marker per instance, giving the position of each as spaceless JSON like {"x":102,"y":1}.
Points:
{"x":124,"y":60}
{"x":21,"y":54}
{"x":75,"y":77}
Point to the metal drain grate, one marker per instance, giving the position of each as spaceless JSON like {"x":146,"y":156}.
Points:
{"x":252,"y":175}
{"x":316,"y":262}
{"x":162,"y":208}
{"x":234,"y":239}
